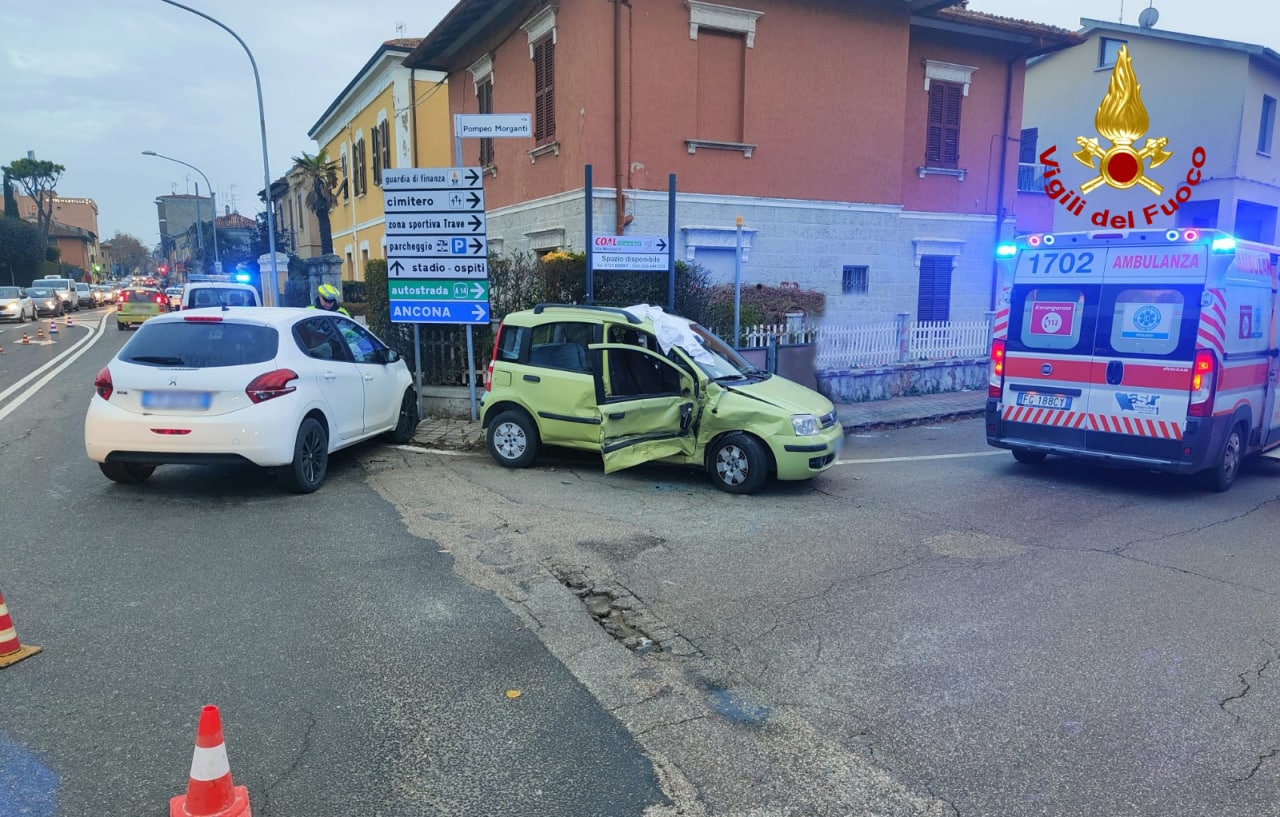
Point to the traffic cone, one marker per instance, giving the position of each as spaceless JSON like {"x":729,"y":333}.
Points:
{"x":68,"y":323}
{"x":210,"y":792}
{"x":11,"y":649}
{"x":40,"y":333}
{"x":53,"y":328}
{"x":26,"y":341}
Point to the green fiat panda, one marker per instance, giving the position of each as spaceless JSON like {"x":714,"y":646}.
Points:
{"x":641,"y":385}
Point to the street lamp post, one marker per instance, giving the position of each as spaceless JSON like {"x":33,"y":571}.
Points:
{"x":217,"y":261}
{"x":266,"y":172}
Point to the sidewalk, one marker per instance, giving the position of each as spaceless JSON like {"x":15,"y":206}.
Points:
{"x":461,"y":435}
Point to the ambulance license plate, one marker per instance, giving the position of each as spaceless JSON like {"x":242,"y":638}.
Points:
{"x":1052,"y":401}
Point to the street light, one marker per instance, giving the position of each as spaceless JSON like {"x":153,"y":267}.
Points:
{"x":217,"y":262}
{"x":266,"y":173}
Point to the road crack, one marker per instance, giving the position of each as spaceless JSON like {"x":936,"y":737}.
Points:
{"x":293,"y":765}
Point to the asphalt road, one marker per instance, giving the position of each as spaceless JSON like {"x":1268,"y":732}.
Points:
{"x":355,"y":672}
{"x":929,"y":628}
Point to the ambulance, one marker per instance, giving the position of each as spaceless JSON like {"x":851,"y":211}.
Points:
{"x":1152,"y":349}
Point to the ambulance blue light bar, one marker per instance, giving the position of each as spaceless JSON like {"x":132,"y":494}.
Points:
{"x":1008,"y":250}
{"x":1224,"y":244}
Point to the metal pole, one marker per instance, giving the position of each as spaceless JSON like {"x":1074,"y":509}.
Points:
{"x":671,"y":243}
{"x":737,"y":285}
{"x":266,"y":172}
{"x":199,"y":226}
{"x":591,"y":242}
{"x":471,"y":352}
{"x":213,"y":202}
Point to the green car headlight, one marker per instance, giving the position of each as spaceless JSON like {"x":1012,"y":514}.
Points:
{"x":806,"y":425}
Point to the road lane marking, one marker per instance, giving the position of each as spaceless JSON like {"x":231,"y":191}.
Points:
{"x":67,"y":358}
{"x":922,"y":458}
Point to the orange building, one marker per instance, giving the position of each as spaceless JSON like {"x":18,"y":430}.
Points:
{"x":74,"y":229}
{"x":871,"y":147}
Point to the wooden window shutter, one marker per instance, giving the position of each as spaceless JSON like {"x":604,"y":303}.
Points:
{"x":377,"y":156}
{"x":934,"y":300}
{"x":942,"y":145}
{"x":544,"y":115}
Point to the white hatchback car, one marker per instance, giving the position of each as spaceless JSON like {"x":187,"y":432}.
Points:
{"x":278,"y":387}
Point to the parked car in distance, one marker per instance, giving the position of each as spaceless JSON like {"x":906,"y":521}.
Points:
{"x":640,"y":385}
{"x":277,"y":387}
{"x":46,"y":301}
{"x":103,"y":295}
{"x":175,"y":297}
{"x":220,"y":294}
{"x":84,"y":295}
{"x":137,"y":305}
{"x":16,"y":305}
{"x":66,"y":289}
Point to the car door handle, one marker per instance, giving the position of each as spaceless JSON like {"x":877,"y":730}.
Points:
{"x":533,"y":378}
{"x":618,"y":415}
{"x":368,"y":377}
{"x":330,"y":376}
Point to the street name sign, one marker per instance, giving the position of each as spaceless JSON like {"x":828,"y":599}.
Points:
{"x":436,"y":244}
{"x":492,"y":125}
{"x":630,"y":252}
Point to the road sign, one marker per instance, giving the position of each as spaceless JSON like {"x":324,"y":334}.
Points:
{"x":630,"y":252}
{"x":434,"y":201}
{"x":438,"y":289}
{"x":477,"y":268}
{"x":432,"y":178}
{"x":492,"y":125}
{"x":439,"y":312}
{"x":435,"y":224}
{"x":436,"y":244}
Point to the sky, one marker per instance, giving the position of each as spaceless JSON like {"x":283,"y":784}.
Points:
{"x":91,"y":84}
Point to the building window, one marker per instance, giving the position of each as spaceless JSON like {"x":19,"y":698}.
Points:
{"x":361,"y":169}
{"x":1267,"y":125}
{"x":484,"y":97}
{"x":544,"y":92}
{"x":854,"y":280}
{"x":934,"y":302}
{"x":346,"y":189}
{"x":942,"y":147}
{"x":1109,"y":51}
{"x":377,"y":155}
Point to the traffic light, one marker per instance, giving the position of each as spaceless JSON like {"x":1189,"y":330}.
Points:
{"x":163,"y":269}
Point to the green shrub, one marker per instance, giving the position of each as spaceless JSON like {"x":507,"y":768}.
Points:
{"x":377,"y":302}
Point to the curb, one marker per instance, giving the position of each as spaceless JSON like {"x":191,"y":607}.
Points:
{"x":906,"y":422}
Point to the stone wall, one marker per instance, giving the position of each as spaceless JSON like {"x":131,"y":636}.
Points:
{"x":903,"y":379}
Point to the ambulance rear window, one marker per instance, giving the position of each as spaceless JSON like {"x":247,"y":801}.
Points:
{"x":1146,"y":321}
{"x":1051,"y":318}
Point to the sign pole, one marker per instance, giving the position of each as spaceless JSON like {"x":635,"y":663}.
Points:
{"x":737,"y":286}
{"x":471,"y":354}
{"x":591,"y":272}
{"x":671,"y":243}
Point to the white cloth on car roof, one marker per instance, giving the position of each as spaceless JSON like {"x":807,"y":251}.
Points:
{"x":672,"y":330}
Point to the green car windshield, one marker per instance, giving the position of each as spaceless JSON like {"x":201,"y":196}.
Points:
{"x":719,"y":360}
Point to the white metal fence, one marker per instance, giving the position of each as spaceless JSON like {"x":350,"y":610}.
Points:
{"x":850,"y":346}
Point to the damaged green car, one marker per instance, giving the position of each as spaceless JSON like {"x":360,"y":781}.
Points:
{"x":640,"y":385}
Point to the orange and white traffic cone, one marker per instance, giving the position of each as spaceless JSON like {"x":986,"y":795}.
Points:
{"x":11,"y":649}
{"x":40,"y":333}
{"x":26,"y":339}
{"x":53,"y":328}
{"x":210,"y":792}
{"x":68,"y":322}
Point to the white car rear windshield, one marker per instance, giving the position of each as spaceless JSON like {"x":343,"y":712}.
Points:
{"x":201,"y":345}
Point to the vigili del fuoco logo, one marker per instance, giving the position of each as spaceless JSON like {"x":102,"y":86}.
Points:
{"x":1121,"y":120}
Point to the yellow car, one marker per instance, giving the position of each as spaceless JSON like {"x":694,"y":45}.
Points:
{"x":136,"y":304}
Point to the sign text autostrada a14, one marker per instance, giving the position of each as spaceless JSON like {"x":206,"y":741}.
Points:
{"x":437,"y":247}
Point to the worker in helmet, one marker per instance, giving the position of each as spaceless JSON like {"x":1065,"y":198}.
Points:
{"x":327,"y":299}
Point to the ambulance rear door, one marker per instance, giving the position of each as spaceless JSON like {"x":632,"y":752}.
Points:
{"x":1145,"y":337}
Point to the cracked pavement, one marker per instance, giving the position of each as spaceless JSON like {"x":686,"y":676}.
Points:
{"x":955,"y":637}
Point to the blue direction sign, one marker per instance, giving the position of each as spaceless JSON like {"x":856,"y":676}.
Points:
{"x":439,"y":312}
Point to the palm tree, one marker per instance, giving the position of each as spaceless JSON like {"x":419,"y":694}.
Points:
{"x":322,"y":173}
